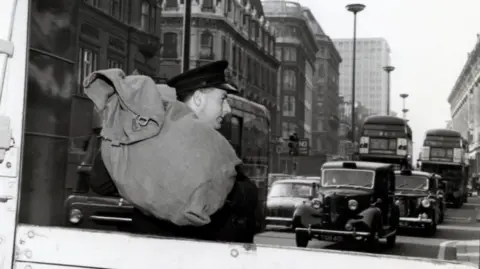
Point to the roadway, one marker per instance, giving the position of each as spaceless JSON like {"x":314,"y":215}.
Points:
{"x":460,"y":224}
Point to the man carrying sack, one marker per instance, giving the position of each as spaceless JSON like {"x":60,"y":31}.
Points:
{"x":166,"y":157}
{"x":204,"y":90}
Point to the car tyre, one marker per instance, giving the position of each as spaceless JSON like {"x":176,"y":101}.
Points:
{"x":392,"y":240}
{"x":373,"y":240}
{"x":432,"y":228}
{"x":301,"y":239}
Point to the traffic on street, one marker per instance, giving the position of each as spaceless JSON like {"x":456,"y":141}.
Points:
{"x":259,"y":134}
{"x":460,"y":225}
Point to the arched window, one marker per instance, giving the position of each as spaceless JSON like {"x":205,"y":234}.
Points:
{"x":170,"y":49}
{"x":206,"y":46}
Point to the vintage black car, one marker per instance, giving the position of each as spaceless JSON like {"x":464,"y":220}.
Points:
{"x":96,"y":204}
{"x":356,"y":202}
{"x":284,"y":196}
{"x":420,"y":200}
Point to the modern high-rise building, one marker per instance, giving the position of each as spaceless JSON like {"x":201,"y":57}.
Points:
{"x":371,"y":85}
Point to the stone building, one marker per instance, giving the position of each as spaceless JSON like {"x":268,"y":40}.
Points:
{"x":464,"y":101}
{"x":326,"y":104}
{"x":296,"y":49}
{"x":68,"y":40}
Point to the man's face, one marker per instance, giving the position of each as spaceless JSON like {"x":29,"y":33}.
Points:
{"x":211,"y":106}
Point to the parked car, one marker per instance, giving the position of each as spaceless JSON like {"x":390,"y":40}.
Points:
{"x":285,"y":195}
{"x":355,"y":202}
{"x":420,"y":200}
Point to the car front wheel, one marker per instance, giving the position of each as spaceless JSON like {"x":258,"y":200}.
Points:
{"x":392,"y":240}
{"x":373,"y":240}
{"x":301,"y":239}
{"x":432,"y":228}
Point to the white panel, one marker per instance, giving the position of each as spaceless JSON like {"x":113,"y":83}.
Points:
{"x":59,"y":246}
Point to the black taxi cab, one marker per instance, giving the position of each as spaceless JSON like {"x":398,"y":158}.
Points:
{"x":420,"y":199}
{"x":355,"y":203}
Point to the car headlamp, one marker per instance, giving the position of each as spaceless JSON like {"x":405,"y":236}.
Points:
{"x":425,"y":202}
{"x":353,"y":204}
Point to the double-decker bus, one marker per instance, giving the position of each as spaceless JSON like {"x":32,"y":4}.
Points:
{"x":248,"y":131}
{"x":444,"y":152}
{"x":386,"y":139}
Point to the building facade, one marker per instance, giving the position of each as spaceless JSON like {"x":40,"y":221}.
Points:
{"x":68,"y":40}
{"x":296,"y":50}
{"x":326,"y":103}
{"x":345,"y":131}
{"x":236,"y":31}
{"x":464,"y":101}
{"x":371,"y":86}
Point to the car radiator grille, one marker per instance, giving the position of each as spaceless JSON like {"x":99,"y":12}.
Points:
{"x":280,"y":213}
{"x":337,"y":209}
{"x":408,"y":207}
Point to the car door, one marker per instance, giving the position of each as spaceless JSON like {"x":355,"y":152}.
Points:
{"x":438,"y":203}
{"x":391,"y":198}
{"x":382,"y":192}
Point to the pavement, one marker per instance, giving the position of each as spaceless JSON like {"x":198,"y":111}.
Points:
{"x":458,"y":238}
{"x":468,"y":251}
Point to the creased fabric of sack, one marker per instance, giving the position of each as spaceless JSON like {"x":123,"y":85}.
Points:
{"x":160,"y":156}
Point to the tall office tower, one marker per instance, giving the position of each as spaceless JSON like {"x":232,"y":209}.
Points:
{"x":371,"y":86}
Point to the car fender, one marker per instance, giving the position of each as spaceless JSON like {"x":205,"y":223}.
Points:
{"x":368,"y":216}
{"x":305,"y":213}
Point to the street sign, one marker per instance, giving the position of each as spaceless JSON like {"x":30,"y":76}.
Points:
{"x":303,"y":147}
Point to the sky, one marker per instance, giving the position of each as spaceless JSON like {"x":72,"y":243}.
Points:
{"x":429,"y":40}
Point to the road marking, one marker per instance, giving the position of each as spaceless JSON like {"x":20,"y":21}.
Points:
{"x":468,"y":254}
{"x":469,"y":243}
{"x":466,"y":219}
{"x":442,"y":249}
{"x":459,"y":228}
{"x":474,"y":204}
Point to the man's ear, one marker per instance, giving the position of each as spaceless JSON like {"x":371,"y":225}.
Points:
{"x":198,"y":99}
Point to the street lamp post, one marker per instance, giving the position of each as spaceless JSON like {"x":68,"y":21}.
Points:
{"x":388,"y":69}
{"x":354,"y":8}
{"x":404,"y":110}
{"x":187,"y":18}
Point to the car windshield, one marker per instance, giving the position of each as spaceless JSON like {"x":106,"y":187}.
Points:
{"x":411,"y":182}
{"x":348,"y":177}
{"x":290,"y":190}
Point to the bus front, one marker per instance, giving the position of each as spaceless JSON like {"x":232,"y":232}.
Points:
{"x":386,"y":139}
{"x":444,"y":153}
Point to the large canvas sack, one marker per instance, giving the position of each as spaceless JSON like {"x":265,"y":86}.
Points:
{"x":161,"y":158}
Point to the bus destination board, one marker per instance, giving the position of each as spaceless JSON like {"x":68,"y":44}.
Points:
{"x":383,"y":133}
